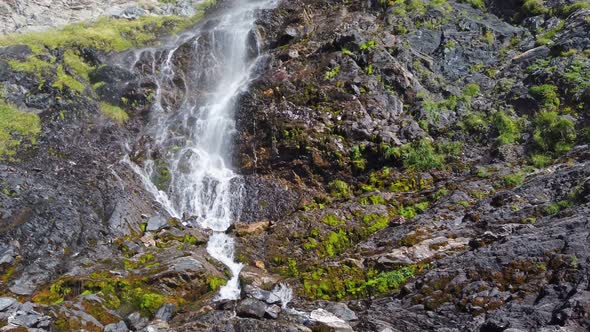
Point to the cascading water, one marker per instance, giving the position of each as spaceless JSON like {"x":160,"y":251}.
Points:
{"x":193,"y":133}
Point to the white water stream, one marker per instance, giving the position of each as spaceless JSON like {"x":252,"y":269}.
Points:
{"x":194,"y":135}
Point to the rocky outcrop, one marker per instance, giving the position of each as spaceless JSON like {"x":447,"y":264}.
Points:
{"x":33,"y":15}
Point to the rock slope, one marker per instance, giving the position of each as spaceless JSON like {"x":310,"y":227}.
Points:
{"x":409,"y":165}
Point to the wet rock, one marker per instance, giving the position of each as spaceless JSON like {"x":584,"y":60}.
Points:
{"x":19,"y":52}
{"x":261,"y":295}
{"x":136,"y":322}
{"x":272,"y":311}
{"x":130,"y":13}
{"x":253,"y":228}
{"x":325,"y":321}
{"x":156,"y":223}
{"x":6,"y":303}
{"x":165,"y":312}
{"x":184,"y":264}
{"x":251,"y":308}
{"x":116,"y":327}
{"x":341,"y":311}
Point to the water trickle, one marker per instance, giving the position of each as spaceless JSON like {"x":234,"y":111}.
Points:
{"x":192,"y":123}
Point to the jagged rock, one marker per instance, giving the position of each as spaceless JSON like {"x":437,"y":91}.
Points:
{"x":165,"y":312}
{"x":273,"y":311}
{"x":261,"y":295}
{"x":325,"y":321}
{"x":116,"y":327}
{"x":251,"y":308}
{"x":156,"y":223}
{"x":136,"y":322}
{"x":19,"y":52}
{"x":341,"y":311}
{"x":247,"y":229}
{"x":6,"y":302}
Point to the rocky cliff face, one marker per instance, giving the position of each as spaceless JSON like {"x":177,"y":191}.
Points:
{"x":408,"y":165}
{"x":39,"y":15}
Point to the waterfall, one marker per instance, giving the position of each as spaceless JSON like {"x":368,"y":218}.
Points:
{"x":192,"y":124}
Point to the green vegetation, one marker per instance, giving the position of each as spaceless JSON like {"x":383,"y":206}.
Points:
{"x":512,"y":180}
{"x":374,"y":222}
{"x":547,"y":95}
{"x":547,"y":37}
{"x":534,"y":7}
{"x":115,"y":113}
{"x":16,"y":127}
{"x":421,"y":156}
{"x":566,"y":10}
{"x":336,"y":243}
{"x":105,"y":34}
{"x":339,"y":189}
{"x":553,"y":133}
{"x":115,"y":291}
{"x":479,"y":4}
{"x":555,"y":208}
{"x":330,"y":74}
{"x":507,"y":128}
{"x":215,"y":283}
{"x":540,"y":160}
{"x":332,"y":220}
{"x":63,"y":79}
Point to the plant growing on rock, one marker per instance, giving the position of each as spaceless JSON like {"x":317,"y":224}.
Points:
{"x":508,"y":128}
{"x":553,"y":133}
{"x":547,"y":95}
{"x":421,"y":156}
{"x":16,"y":127}
{"x":339,"y":189}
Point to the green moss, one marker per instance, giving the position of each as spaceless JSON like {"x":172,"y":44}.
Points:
{"x":32,"y":65}
{"x":332,"y":220}
{"x":339,"y":189}
{"x":356,"y":155}
{"x":106,"y":34}
{"x":555,"y":208}
{"x":215,"y":283}
{"x":115,"y":113}
{"x":335,"y":243}
{"x":330,"y":74}
{"x":16,"y":127}
{"x":75,"y":62}
{"x":478,"y":4}
{"x":147,"y":302}
{"x":374,"y":222}
{"x":63,"y":79}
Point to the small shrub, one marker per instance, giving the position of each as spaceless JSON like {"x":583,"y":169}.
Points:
{"x":534,"y":7}
{"x":513,"y":180}
{"x":507,"y":128}
{"x":540,"y":160}
{"x":547,"y":95}
{"x":421,"y":156}
{"x":553,"y":133}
